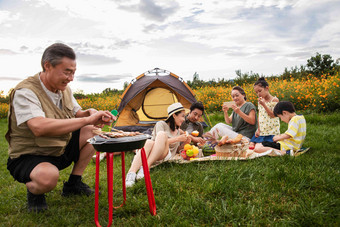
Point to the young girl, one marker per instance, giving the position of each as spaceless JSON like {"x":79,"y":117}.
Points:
{"x":166,"y":138}
{"x":268,"y":125}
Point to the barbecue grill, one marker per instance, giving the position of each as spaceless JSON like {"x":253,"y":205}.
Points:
{"x":121,"y":144}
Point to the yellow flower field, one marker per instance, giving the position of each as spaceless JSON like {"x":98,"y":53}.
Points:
{"x":309,"y":94}
{"x":100,"y":103}
{"x":3,"y":110}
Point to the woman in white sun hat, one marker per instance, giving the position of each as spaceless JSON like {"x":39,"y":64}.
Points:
{"x":166,"y":138}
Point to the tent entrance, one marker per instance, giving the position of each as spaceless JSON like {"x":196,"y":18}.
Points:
{"x":145,"y":101}
{"x":155,"y":104}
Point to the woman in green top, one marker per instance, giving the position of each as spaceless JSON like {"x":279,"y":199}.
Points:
{"x":243,"y":118}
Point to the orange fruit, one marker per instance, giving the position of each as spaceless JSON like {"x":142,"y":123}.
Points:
{"x":195,"y":150}
{"x":187,"y":147}
{"x":195,"y":133}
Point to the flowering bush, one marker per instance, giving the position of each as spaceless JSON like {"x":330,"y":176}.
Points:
{"x":101,"y":103}
{"x":316,"y":94}
{"x":311,"y":93}
{"x":3,"y":110}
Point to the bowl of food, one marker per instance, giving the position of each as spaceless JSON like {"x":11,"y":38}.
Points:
{"x":189,"y":151}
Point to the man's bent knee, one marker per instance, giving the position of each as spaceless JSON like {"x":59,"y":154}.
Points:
{"x":45,"y":176}
{"x":86,"y":133}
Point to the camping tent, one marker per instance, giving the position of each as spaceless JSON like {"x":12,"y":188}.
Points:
{"x":145,"y":100}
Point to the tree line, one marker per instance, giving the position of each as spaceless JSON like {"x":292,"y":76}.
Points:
{"x":317,"y":65}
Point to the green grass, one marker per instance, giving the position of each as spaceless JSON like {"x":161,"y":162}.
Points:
{"x":299,"y":191}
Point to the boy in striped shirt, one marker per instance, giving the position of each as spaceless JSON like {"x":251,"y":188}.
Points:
{"x":293,"y":138}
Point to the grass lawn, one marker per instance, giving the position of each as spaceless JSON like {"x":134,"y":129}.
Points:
{"x":266,"y":191}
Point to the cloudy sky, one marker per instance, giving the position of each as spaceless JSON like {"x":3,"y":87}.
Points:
{"x":117,"y":40}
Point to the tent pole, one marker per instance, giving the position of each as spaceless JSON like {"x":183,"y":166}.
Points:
{"x":207,"y":119}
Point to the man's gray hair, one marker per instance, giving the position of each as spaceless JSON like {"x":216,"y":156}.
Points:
{"x":54,"y":53}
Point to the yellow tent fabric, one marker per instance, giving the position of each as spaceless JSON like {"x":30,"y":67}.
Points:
{"x":155,"y":104}
{"x":147,"y":97}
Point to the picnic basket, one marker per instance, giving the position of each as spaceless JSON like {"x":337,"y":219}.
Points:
{"x":233,"y":150}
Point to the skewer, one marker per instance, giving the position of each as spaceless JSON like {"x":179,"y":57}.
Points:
{"x":103,"y":136}
{"x":114,"y":113}
{"x":113,"y":129}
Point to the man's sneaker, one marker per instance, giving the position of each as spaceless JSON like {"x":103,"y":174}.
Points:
{"x":130,"y":179}
{"x":77,"y":188}
{"x":36,"y":203}
{"x":140,"y":174}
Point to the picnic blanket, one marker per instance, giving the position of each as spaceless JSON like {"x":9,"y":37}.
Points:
{"x":250,"y":155}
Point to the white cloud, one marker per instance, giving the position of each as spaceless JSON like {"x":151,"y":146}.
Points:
{"x":128,"y":37}
{"x":7,"y":17}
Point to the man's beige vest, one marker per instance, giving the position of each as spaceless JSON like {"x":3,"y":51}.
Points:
{"x":22,"y":140}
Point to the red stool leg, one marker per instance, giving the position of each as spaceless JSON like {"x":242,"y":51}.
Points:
{"x":109,"y":165}
{"x":96,"y":198}
{"x":148,"y":184}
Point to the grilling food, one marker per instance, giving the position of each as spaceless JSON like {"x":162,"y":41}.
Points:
{"x":121,"y":134}
{"x":115,"y":134}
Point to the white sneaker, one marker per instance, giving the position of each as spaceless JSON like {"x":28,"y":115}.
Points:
{"x":130,"y":179}
{"x":102,"y":155}
{"x":140,"y":174}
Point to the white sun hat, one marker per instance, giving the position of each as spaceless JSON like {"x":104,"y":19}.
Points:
{"x":174,"y":108}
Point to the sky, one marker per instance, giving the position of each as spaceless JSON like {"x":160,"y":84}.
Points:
{"x":117,"y":40}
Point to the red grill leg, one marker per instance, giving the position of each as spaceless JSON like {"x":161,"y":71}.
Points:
{"x":123,"y":176}
{"x":148,"y":184}
{"x":96,"y":198}
{"x":123,"y":181}
{"x":109,"y":164}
